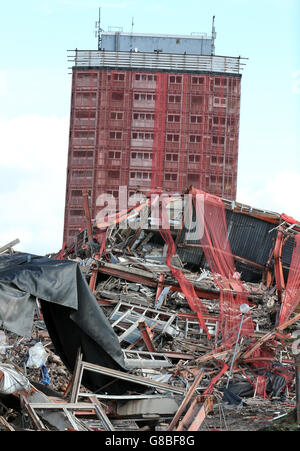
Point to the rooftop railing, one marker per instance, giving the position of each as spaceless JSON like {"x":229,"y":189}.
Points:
{"x":156,"y":61}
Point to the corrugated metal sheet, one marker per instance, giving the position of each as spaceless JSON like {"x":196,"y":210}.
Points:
{"x":288,"y":251}
{"x":250,"y":238}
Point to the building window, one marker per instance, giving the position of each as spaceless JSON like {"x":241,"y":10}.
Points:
{"x":143,"y":116}
{"x":195,"y":119}
{"x":171,"y":177}
{"x":86,"y":99}
{"x":197,"y":80}
{"x":86,"y":76}
{"x":84,"y":134}
{"x":86,"y":80}
{"x":175,"y":79}
{"x":174,"y":99}
{"x":141,"y":135}
{"x":194,"y":158}
{"x":137,"y":175}
{"x":115,"y":194}
{"x":219,"y":120}
{"x":141,"y":156}
{"x":195,"y":139}
{"x":218,"y":140}
{"x":229,"y":163}
{"x":173,"y":118}
{"x":78,"y":173}
{"x":114,"y":155}
{"x":214,"y":160}
{"x":76,"y":212}
{"x":228,"y":183}
{"x":172,"y":138}
{"x":172,"y":157}
{"x":116,"y":115}
{"x":78,"y":193}
{"x":83,"y":114}
{"x":145,"y":77}
{"x":220,"y":102}
{"x":220,"y":82}
{"x":141,"y":97}
{"x":216,"y":180}
{"x":115,"y":135}
{"x":82,"y":154}
{"x":232,"y":82}
{"x":119,"y":77}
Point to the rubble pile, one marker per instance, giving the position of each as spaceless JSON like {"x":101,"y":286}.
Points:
{"x":167,"y":372}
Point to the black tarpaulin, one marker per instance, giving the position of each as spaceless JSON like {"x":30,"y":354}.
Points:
{"x":70,"y":311}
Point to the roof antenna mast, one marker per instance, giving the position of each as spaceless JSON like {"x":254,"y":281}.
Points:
{"x":132,"y":25}
{"x":98,"y":30}
{"x":213,"y":36}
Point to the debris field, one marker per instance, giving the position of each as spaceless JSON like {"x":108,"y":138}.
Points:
{"x":150,"y":329}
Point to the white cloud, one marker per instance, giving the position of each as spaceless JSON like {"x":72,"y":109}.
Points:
{"x":278,"y":193}
{"x":33,"y":179}
{"x":32,"y":142}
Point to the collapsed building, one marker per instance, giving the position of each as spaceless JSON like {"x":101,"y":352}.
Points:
{"x":173,"y":321}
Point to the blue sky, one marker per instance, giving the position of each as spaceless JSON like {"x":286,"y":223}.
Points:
{"x":35,"y":90}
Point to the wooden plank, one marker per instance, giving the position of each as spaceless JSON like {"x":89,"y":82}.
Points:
{"x":9,"y":245}
{"x":6,"y":424}
{"x":186,"y":400}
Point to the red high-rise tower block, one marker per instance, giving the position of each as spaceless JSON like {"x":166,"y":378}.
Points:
{"x":147,"y":120}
